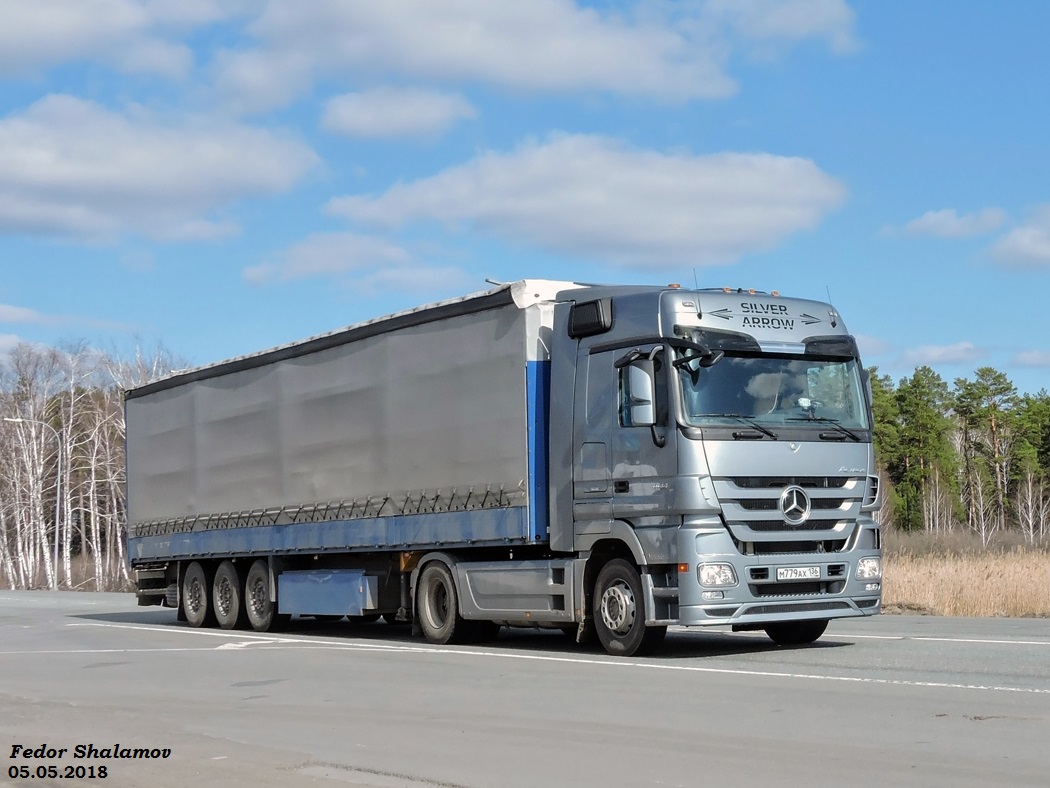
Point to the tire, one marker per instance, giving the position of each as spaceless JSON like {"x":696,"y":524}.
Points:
{"x":796,"y":633}
{"x":196,"y":596}
{"x":437,"y":606}
{"x":260,"y":610}
{"x":227,"y":597}
{"x":619,"y":612}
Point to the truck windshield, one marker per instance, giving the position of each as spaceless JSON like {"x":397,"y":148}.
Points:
{"x":775,"y":391}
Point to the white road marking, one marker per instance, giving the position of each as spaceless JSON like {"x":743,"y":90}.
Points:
{"x":985,"y":641}
{"x":280,"y":642}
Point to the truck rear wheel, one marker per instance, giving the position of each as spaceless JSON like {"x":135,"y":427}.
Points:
{"x":261,"y":611}
{"x":228,"y":597}
{"x":796,"y":633}
{"x":619,"y":611}
{"x":438,"y":605}
{"x":196,"y":596}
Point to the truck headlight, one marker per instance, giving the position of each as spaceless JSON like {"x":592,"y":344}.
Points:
{"x":716,"y":575}
{"x":869,"y":569}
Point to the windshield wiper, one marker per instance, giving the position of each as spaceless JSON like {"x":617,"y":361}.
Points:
{"x":745,"y":419}
{"x":833,"y":422}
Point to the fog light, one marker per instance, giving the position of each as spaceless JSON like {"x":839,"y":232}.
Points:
{"x":872,"y":587}
{"x":869,"y":569}
{"x":715,"y":575}
{"x":709,"y":595}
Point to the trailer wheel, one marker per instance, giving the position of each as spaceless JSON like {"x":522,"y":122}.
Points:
{"x":438,"y":606}
{"x":228,"y":597}
{"x":796,"y":633}
{"x":196,"y":596}
{"x":260,"y":609}
{"x":619,"y":611}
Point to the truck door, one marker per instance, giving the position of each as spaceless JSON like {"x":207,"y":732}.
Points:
{"x":620,"y":470}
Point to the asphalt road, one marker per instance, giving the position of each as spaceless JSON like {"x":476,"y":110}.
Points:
{"x":894,"y":700}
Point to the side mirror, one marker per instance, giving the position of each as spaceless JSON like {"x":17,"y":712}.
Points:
{"x":712,"y":358}
{"x":641,"y":390}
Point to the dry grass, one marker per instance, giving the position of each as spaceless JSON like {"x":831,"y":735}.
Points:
{"x":954,"y":576}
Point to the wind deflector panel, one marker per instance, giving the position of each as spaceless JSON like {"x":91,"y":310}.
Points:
{"x":843,"y":346}
{"x":717,"y":339}
{"x":590,"y":318}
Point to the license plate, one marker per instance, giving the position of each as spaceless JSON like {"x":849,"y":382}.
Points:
{"x":798,"y":573}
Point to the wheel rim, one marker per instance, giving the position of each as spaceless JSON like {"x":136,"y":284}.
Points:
{"x":618,"y":607}
{"x":224,"y":597}
{"x":437,"y":605}
{"x":257,"y":600}
{"x":194,"y":597}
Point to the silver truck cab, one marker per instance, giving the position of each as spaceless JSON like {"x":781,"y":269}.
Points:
{"x":724,"y":437}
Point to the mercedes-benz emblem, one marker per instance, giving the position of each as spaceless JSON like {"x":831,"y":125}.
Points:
{"x":794,"y":505}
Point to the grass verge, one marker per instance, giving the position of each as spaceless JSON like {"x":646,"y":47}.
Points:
{"x":954,"y":575}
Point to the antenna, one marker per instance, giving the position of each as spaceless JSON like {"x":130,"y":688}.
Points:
{"x":696,"y":282}
{"x":828,"y":289}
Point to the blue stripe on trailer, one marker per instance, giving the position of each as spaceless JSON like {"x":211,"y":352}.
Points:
{"x":538,"y":382}
{"x":496,"y":526}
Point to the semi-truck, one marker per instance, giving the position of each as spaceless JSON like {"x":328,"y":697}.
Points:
{"x":607,"y":460}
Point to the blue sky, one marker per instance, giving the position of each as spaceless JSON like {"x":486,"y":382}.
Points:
{"x":222,"y":177}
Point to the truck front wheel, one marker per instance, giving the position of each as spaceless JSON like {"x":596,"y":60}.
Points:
{"x":196,"y":596}
{"x":619,"y":611}
{"x":796,"y":633}
{"x":438,"y":605}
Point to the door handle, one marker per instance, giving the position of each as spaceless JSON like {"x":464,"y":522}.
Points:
{"x":621,"y":486}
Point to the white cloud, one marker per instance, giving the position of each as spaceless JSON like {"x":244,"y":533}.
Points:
{"x":787,"y":21}
{"x":72,"y":167}
{"x":1032,"y":358}
{"x":20,"y":314}
{"x":947,"y":223}
{"x":872,"y":346}
{"x":394,"y":112}
{"x":128,"y":34}
{"x":537,"y":45}
{"x":592,"y":197}
{"x":327,"y":254}
{"x":363,"y":263}
{"x":958,"y":353}
{"x":1027,"y":246}
{"x":666,"y":51}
